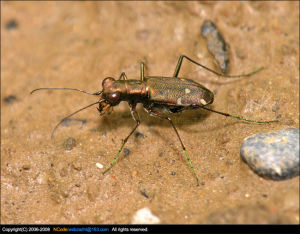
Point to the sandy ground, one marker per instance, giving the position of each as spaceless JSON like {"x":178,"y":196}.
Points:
{"x":77,"y":45}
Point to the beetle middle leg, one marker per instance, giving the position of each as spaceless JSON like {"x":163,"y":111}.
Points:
{"x":123,"y":75}
{"x":135,"y":116}
{"x":142,"y":71}
{"x":159,"y":115}
{"x":178,"y":66}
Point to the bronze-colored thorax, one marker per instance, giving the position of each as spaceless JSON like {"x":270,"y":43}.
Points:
{"x":115,"y":91}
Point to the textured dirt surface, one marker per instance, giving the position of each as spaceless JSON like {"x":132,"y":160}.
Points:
{"x":77,"y":45}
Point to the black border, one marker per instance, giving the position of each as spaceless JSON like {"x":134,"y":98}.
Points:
{"x":126,"y":228}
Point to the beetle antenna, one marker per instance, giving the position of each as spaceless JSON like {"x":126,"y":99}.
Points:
{"x":79,"y":90}
{"x":237,"y":117}
{"x":54,"y":129}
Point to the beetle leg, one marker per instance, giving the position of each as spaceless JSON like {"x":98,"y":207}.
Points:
{"x":123,"y":75}
{"x":135,"y":116}
{"x":178,"y":66}
{"x":159,"y":115}
{"x":142,"y":71}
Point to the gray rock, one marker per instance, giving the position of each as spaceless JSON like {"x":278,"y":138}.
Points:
{"x":273,"y":155}
{"x":216,"y":44}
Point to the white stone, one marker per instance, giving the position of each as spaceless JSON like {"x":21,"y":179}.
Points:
{"x":144,"y":216}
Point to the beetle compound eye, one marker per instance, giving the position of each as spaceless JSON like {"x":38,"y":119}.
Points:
{"x":108,"y":81}
{"x":113,"y":97}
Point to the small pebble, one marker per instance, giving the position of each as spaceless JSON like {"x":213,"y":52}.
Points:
{"x":12,"y":24}
{"x":26,"y":167}
{"x":144,"y":193}
{"x":70,"y":143}
{"x":216,"y":44}
{"x":173,"y":173}
{"x":144,"y":216}
{"x":77,"y":165}
{"x":126,"y":151}
{"x":50,"y":179}
{"x":139,"y":135}
{"x":172,"y":161}
{"x":273,"y":155}
{"x":10,"y":99}
{"x":99,"y":165}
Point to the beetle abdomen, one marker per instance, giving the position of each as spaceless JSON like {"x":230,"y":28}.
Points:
{"x":177,"y":91}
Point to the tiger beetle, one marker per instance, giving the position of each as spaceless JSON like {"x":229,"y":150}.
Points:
{"x":159,"y":95}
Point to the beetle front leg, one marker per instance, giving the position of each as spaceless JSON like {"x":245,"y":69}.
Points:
{"x":135,"y":116}
{"x":159,"y":115}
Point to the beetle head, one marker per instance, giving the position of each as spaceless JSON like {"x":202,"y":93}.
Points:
{"x":111,"y":93}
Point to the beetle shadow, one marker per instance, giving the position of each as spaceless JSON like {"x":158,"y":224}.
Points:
{"x":222,"y":81}
{"x":118,"y":119}
{"x":182,"y":120}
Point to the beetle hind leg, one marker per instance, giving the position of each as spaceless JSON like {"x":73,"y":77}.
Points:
{"x":178,"y":66}
{"x":160,"y":115}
